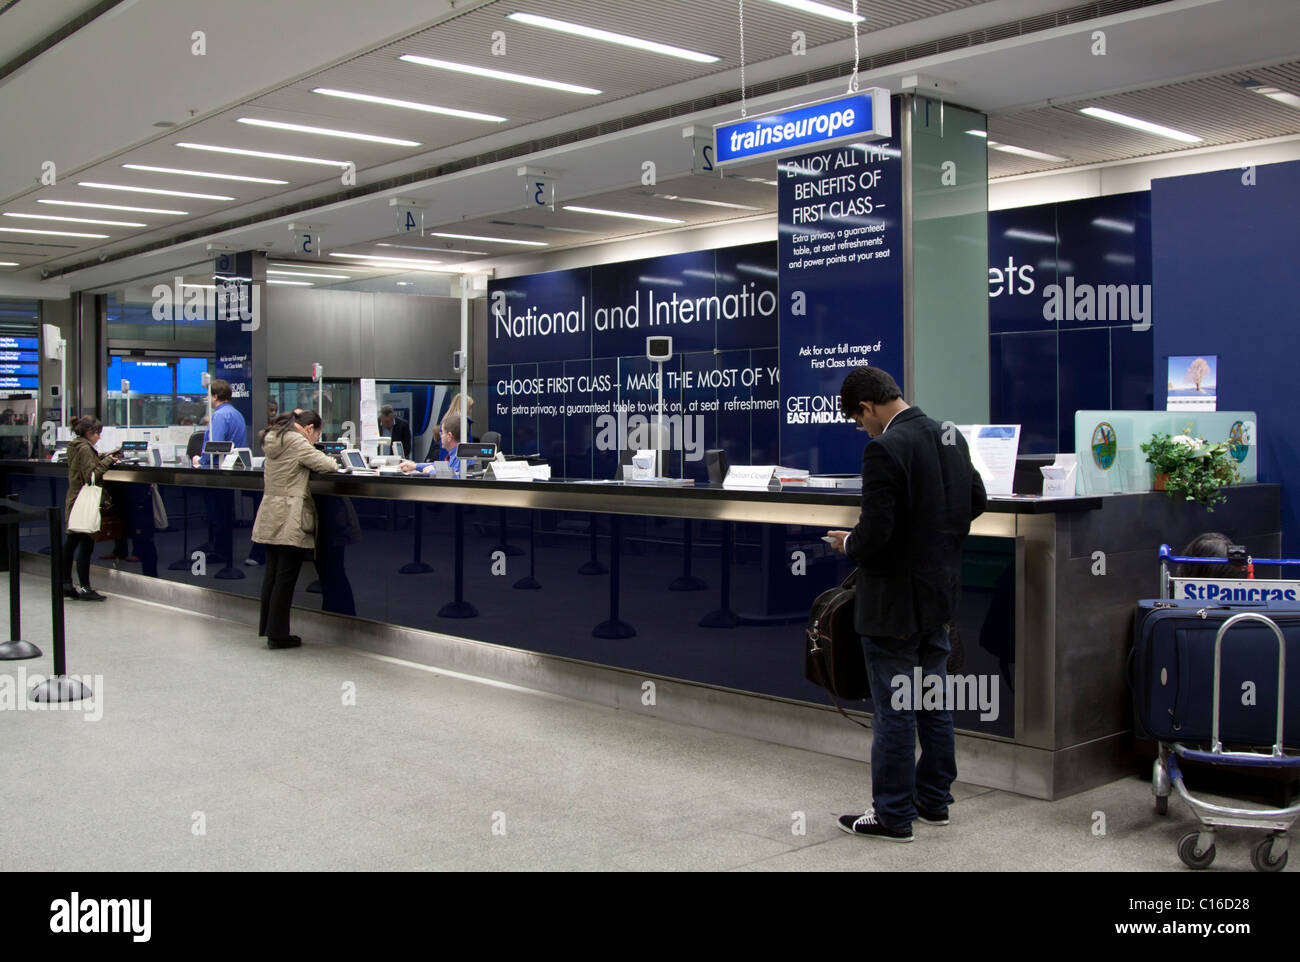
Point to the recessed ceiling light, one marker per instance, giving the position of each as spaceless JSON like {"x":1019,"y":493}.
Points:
{"x":435,"y":250}
{"x":78,"y":220}
{"x":1119,"y":226}
{"x":517,"y":78}
{"x":49,"y":233}
{"x":708,"y":203}
{"x":328,"y":132}
{"x":203,"y":173}
{"x":410,"y":105}
{"x":1026,"y":152}
{"x":293,"y":283}
{"x":822,"y":10}
{"x":978,"y":133}
{"x":153,"y":190}
{"x":622,"y":39}
{"x":1144,"y":125}
{"x":330,"y":277}
{"x":619,"y":213}
{"x":404,"y":283}
{"x":495,"y":240}
{"x":133,"y":210}
{"x":240,"y":151}
{"x":1274,"y":93}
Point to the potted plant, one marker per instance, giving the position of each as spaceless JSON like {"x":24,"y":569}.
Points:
{"x":1191,"y":467}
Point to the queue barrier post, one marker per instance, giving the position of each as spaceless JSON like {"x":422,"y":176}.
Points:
{"x":15,"y":649}
{"x":59,"y":687}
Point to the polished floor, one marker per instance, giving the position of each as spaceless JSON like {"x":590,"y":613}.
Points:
{"x":210,"y":752}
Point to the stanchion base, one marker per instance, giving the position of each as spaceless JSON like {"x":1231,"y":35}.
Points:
{"x":722,"y":618}
{"x":688,"y":583}
{"x":17,"y":650}
{"x":593,"y":568}
{"x":415,"y":568}
{"x":528,"y":584}
{"x":184,"y":564}
{"x":314,"y":588}
{"x":229,"y":573}
{"x":613,"y":629}
{"x":61,"y":689}
{"x":458,"y":609}
{"x":510,"y":550}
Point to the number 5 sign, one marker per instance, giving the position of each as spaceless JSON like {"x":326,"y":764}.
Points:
{"x":539,"y":186}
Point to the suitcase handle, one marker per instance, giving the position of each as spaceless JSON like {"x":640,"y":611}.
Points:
{"x":1215,"y":745}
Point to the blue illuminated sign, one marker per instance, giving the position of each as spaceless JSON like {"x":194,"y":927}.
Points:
{"x":799,"y":129}
{"x":18,"y":343}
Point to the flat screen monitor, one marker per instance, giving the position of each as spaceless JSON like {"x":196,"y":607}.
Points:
{"x":218,"y":447}
{"x":134,"y":448}
{"x":480,"y":452}
{"x":335,"y":448}
{"x":354,"y":459}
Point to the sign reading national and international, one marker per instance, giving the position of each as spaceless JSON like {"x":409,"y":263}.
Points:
{"x":861,"y":116}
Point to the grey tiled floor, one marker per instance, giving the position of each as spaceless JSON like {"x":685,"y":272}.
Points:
{"x":203,"y":727}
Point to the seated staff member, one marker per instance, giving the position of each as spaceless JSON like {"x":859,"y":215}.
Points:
{"x":286,"y":518}
{"x":450,"y":439}
{"x":391,"y":426}
{"x":84,"y":464}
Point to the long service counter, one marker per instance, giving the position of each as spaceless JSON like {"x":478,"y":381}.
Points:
{"x":594,"y":589}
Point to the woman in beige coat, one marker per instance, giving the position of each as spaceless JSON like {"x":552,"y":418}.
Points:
{"x":286,"y":518}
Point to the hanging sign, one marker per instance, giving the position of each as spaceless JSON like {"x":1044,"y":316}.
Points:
{"x":859,"y":116}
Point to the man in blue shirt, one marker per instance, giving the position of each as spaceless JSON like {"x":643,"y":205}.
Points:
{"x":227,"y":423}
{"x":450,"y":440}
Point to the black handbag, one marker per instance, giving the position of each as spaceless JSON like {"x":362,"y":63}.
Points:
{"x":833,"y":656}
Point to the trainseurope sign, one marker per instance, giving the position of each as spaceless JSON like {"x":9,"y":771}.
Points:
{"x":861,"y":116}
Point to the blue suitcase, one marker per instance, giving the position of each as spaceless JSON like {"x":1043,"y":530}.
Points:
{"x":1173,"y":673}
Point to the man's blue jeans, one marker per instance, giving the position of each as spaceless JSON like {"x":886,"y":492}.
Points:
{"x":898,"y":782}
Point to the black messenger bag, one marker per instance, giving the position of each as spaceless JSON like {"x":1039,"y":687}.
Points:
{"x":833,"y":656}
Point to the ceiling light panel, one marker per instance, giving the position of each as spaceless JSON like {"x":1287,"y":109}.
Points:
{"x":180,"y":172}
{"x":588,"y":32}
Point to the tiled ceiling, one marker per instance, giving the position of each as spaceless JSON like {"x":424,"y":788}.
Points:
{"x":706,"y":26}
{"x":1217,"y":109}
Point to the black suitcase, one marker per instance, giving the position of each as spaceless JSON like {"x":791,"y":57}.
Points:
{"x":1173,"y":673}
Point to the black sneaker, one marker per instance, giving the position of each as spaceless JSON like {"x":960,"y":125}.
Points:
{"x":70,"y":591}
{"x":932,"y":818}
{"x":866,"y":826}
{"x":293,"y":641}
{"x":90,"y":594}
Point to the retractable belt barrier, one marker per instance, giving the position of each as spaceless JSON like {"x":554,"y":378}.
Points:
{"x":57,"y":688}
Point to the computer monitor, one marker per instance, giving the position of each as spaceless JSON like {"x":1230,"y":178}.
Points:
{"x":398,"y":450}
{"x":354,"y":459}
{"x":155,"y":457}
{"x":474,"y":450}
{"x":134,"y":449}
{"x":218,"y":447}
{"x":335,"y":448}
{"x":245,"y":456}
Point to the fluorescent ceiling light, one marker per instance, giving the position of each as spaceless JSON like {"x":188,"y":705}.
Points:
{"x":328,"y":277}
{"x":1281,"y":96}
{"x":404,"y":283}
{"x":709,"y":203}
{"x":670,"y":281}
{"x":298,"y":267}
{"x":1026,"y":152}
{"x":619,"y":213}
{"x":1144,"y":125}
{"x":822,"y":10}
{"x":978,"y":133}
{"x":1119,"y":226}
{"x":204,"y":173}
{"x":387,"y":260}
{"x":294,"y":283}
{"x":435,"y":250}
{"x":494,"y":240}
{"x":517,"y":78}
{"x":79,"y":220}
{"x":201,"y":287}
{"x":264,"y":154}
{"x":8,"y":263}
{"x":328,"y":132}
{"x":50,"y":233}
{"x":153,"y":190}
{"x":410,"y":105}
{"x":591,"y":33}
{"x":1016,"y":233}
{"x":134,"y":210}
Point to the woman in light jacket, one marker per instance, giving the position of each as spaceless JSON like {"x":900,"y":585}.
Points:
{"x":286,"y":518}
{"x":84,"y":464}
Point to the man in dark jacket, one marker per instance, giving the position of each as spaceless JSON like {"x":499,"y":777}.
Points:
{"x":391,"y":426}
{"x":919,"y":495}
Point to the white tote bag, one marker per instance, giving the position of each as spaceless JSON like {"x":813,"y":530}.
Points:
{"x":84,"y":518}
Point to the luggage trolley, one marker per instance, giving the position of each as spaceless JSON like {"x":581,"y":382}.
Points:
{"x":1196,"y":849}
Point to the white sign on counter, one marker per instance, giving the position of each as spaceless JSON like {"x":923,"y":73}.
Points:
{"x":750,"y":476}
{"x":993,"y":449}
{"x":510,"y":471}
